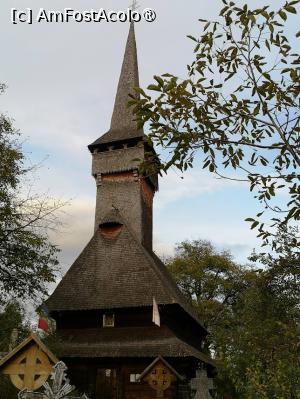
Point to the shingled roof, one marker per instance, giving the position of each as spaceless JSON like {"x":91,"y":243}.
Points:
{"x":124,"y":342}
{"x":116,"y":272}
{"x":123,"y":126}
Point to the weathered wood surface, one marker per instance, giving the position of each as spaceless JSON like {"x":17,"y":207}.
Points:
{"x":30,"y":369}
{"x":29,"y":364}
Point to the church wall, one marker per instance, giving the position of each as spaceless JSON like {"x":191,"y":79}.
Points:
{"x":118,"y":184}
{"x":147,"y":212}
{"x":110,"y":378}
{"x":125,"y":196}
{"x":118,"y":177}
{"x":84,"y":324}
{"x":116,"y":160}
{"x":93,"y":318}
{"x":184,"y":327}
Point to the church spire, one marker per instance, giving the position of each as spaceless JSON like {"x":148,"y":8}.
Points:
{"x":123,"y":126}
{"x":129,"y":78}
{"x":115,"y":155}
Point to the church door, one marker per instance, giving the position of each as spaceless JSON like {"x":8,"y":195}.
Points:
{"x":106,"y":385}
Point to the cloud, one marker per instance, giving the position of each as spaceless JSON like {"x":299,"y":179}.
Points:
{"x":193,"y":183}
{"x":162,"y":248}
{"x":237,"y":240}
{"x":77,"y":229}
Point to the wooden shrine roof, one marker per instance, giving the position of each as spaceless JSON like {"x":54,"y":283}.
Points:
{"x":33,"y":338}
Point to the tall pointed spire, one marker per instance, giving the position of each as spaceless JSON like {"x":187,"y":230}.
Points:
{"x":129,"y":78}
{"x":123,"y":126}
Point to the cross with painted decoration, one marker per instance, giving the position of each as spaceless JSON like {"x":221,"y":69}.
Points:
{"x":201,"y":385}
{"x":160,"y":375}
{"x":59,"y":388}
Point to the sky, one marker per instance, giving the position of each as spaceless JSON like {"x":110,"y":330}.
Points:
{"x":62,"y":80}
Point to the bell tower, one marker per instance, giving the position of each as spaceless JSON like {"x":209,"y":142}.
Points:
{"x":115,"y":155}
{"x":119,"y":314}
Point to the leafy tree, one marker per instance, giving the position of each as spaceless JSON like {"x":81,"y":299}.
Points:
{"x":252,"y":314}
{"x":11,"y":318}
{"x":27,"y":258}
{"x":210,"y":279}
{"x":239,"y":107}
{"x":261,"y":352}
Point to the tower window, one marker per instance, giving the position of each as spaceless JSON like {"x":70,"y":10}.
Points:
{"x":108,"y":320}
{"x":134,"y":378}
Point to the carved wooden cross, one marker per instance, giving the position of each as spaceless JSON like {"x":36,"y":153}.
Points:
{"x":59,"y":388}
{"x":29,"y":364}
{"x":30,"y":369}
{"x":160,"y":379}
{"x":202,"y":384}
{"x":160,"y":375}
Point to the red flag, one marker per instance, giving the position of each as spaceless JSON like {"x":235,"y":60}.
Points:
{"x":43,"y":325}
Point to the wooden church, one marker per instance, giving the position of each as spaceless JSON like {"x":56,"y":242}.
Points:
{"x":104,"y":305}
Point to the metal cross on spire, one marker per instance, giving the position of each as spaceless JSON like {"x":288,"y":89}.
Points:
{"x":135,"y":5}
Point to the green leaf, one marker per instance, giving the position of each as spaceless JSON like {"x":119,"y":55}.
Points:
{"x":282,"y":14}
{"x":256,"y":109}
{"x":255,"y":224}
{"x":265,"y":14}
{"x":206,"y":25}
{"x":159,"y":80}
{"x":290,"y":9}
{"x":154,"y":87}
{"x":206,"y":164}
{"x":192,"y":38}
{"x":140,"y":91}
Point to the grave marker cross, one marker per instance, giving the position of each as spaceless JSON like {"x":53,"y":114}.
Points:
{"x":160,"y":379}
{"x":202,"y":384}
{"x":31,"y":368}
